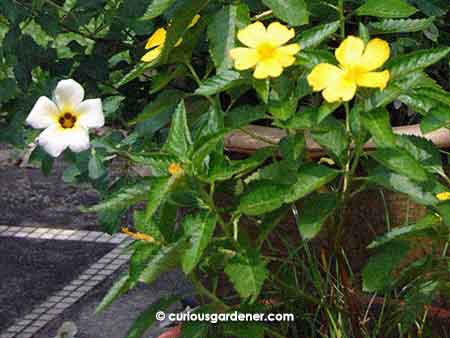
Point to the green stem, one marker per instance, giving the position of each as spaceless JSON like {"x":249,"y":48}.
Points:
{"x":342,"y":17}
{"x":205,"y":292}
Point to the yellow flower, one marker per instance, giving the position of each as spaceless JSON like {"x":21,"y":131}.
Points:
{"x":266,"y":51}
{"x":175,"y":169}
{"x":139,"y":236}
{"x":443,"y":196}
{"x":357,"y":65}
{"x":156,"y":42}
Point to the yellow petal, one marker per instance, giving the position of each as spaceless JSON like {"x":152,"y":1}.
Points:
{"x":266,"y":68}
{"x":244,"y":58}
{"x":291,"y":49}
{"x":194,"y":21}
{"x":373,"y":79}
{"x":279,"y":34}
{"x":253,"y":34}
{"x":340,"y":90}
{"x":157,"y":39}
{"x":284,"y":59}
{"x":443,"y":196}
{"x":152,"y":55}
{"x":375,"y":55}
{"x":180,"y":40}
{"x":324,"y":75}
{"x":350,"y":51}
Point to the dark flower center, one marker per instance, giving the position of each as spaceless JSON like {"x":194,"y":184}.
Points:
{"x":67,"y":121}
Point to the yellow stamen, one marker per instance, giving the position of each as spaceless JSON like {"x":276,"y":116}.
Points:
{"x":175,"y":169}
{"x":443,"y":196}
{"x":265,"y":51}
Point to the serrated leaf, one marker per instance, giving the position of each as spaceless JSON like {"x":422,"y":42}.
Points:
{"x":96,"y":169}
{"x":314,"y":212}
{"x":124,"y":198}
{"x":294,"y":12}
{"x":331,"y":135}
{"x":378,"y":123}
{"x":405,"y":64}
{"x":401,"y":25}
{"x":165,"y":101}
{"x":315,"y":36}
{"x":219,"y":83}
{"x":158,"y":163}
{"x":312,"y":57}
{"x":247,"y":272}
{"x":156,"y":8}
{"x":292,"y":147}
{"x":121,"y":286}
{"x":179,"y":142}
{"x":199,"y":227}
{"x":401,"y":162}
{"x":159,"y":190}
{"x":243,"y":115}
{"x":205,"y":146}
{"x":377,"y":274}
{"x":137,"y":71}
{"x":386,"y":9}
{"x":221,"y":36}
{"x":165,"y":259}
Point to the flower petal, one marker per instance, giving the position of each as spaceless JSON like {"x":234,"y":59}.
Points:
{"x":270,"y":67}
{"x":194,"y":21}
{"x":279,"y":34}
{"x":91,"y":113}
{"x":52,"y":140}
{"x":340,"y":90}
{"x":68,"y":94}
{"x":77,"y":139}
{"x":157,"y":39}
{"x":350,"y":51}
{"x":284,"y":59}
{"x":291,"y":49}
{"x":43,"y":114}
{"x":374,"y":79}
{"x":244,"y":58}
{"x":152,"y":55}
{"x":324,"y":75}
{"x":375,"y":55}
{"x":253,"y":34}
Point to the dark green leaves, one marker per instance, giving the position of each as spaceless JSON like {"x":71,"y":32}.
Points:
{"x":316,"y":35}
{"x":179,"y":142}
{"x":377,"y":274}
{"x":156,"y":8}
{"x":199,"y":227}
{"x":377,"y":122}
{"x":219,"y":83}
{"x":294,"y":12}
{"x":408,"y":63}
{"x":401,"y":25}
{"x":386,"y":9}
{"x":314,"y":212}
{"x":247,"y":272}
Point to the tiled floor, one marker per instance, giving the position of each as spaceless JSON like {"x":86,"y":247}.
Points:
{"x":55,"y":304}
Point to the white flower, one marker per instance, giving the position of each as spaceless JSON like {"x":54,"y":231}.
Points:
{"x":66,"y":119}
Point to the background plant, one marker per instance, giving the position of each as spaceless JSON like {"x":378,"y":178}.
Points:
{"x":203,"y":215}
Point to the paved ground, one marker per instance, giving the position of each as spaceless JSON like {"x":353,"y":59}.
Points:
{"x":54,"y":278}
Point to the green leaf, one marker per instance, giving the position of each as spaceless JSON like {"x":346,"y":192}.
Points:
{"x":405,"y":64}
{"x":179,"y":142}
{"x":247,"y":272}
{"x":199,"y":227}
{"x":292,"y":147}
{"x":310,"y":177}
{"x":158,"y":163}
{"x":159,"y":190}
{"x":221,"y":36}
{"x":111,"y":106}
{"x":401,"y":25}
{"x":124,"y":198}
{"x":314,"y":212}
{"x":205,"y":146}
{"x":137,"y":71}
{"x":420,"y":193}
{"x":401,"y":162}
{"x":156,"y":8}
{"x":165,"y":259}
{"x":377,"y":274}
{"x":147,"y":318}
{"x":331,"y":135}
{"x":219,"y":83}
{"x":315,"y":36}
{"x":243,"y":115}
{"x":263,"y":197}
{"x":294,"y":12}
{"x":405,"y":232}
{"x":120,"y":287}
{"x":386,"y":9}
{"x":167,"y":100}
{"x":262,"y":87}
{"x":312,"y":57}
{"x":96,"y":168}
{"x":378,"y":123}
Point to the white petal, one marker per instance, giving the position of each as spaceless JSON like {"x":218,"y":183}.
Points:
{"x":68,"y":94}
{"x":91,"y":113}
{"x":52,"y":140}
{"x":43,"y":114}
{"x":77,"y":139}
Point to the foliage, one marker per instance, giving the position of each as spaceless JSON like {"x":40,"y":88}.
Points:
{"x":202,"y":204}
